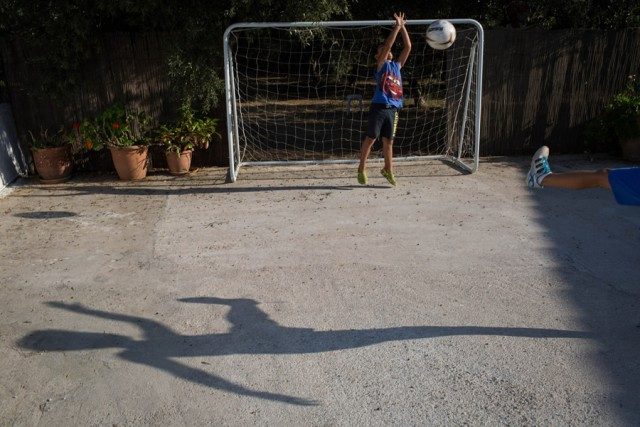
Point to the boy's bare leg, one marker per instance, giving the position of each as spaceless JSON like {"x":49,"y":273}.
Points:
{"x":540,"y":175}
{"x":387,"y":151}
{"x":365,"y":149}
{"x":578,"y":180}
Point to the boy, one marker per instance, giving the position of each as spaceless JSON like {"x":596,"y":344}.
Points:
{"x":624,"y":182}
{"x":387,"y":100}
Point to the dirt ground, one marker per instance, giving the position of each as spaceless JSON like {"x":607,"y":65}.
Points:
{"x":296,"y":297}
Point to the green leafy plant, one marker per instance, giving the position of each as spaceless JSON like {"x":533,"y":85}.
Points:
{"x":619,"y":121}
{"x":623,"y":113}
{"x":116,"y":127}
{"x":47,"y":138}
{"x":188,"y":132}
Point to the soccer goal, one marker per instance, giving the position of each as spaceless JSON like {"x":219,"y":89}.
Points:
{"x":300,"y":93}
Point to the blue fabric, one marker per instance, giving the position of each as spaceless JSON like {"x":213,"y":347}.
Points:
{"x":625,"y":184}
{"x":388,"y":85}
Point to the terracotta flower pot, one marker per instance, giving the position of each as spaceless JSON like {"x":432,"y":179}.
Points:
{"x":53,"y":164}
{"x":131,"y":162}
{"x":179,"y":164}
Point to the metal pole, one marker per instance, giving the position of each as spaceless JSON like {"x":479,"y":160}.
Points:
{"x":230,"y":110}
{"x":479,"y":93}
{"x":466,"y":98}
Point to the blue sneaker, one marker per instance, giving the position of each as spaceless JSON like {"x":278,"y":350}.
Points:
{"x":539,"y":167}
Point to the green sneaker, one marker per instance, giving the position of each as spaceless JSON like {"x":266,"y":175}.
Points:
{"x":389,"y":175}
{"x":362,"y":178}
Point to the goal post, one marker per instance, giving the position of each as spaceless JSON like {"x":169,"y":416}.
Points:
{"x":299,"y":92}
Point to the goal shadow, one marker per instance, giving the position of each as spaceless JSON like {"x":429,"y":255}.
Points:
{"x":347,"y":171}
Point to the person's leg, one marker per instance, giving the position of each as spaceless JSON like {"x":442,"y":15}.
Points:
{"x":365,"y":149}
{"x":387,"y":170}
{"x":374,"y":124}
{"x":578,"y":180}
{"x":388,"y":134}
{"x":387,"y":151}
{"x":540,"y":175}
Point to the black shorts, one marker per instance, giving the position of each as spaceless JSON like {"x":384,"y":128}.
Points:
{"x":383,"y":121}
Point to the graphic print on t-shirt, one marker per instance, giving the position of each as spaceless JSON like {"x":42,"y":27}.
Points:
{"x":392,"y":85}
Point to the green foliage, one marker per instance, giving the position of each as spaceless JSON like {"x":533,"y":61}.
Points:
{"x":287,"y":10}
{"x":623,"y":113}
{"x":195,"y":64}
{"x":607,"y":15}
{"x":195,"y":82}
{"x":550,"y":14}
{"x":619,"y":121}
{"x":51,"y":139}
{"x":188,"y":133}
{"x":116,"y":127}
{"x":62,"y":36}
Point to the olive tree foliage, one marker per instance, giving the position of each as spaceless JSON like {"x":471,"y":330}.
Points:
{"x":548,"y":14}
{"x":551,"y":14}
{"x":58,"y":37}
{"x":62,"y":35}
{"x":195,"y":64}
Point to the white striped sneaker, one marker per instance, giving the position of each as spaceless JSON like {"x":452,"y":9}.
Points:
{"x":539,"y":167}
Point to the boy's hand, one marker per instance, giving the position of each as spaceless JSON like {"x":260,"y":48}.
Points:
{"x":400,"y":19}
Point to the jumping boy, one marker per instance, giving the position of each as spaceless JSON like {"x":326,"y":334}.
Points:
{"x":387,"y":100}
{"x":623,"y":182}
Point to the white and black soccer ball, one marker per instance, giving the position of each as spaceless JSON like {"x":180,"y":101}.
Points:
{"x":441,"y":34}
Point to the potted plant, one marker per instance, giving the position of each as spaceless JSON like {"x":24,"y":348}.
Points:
{"x":52,"y":154}
{"x":622,"y":116}
{"x":187,"y":134}
{"x":126,"y":135}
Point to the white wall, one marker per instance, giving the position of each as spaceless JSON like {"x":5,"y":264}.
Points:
{"x":12,"y":157}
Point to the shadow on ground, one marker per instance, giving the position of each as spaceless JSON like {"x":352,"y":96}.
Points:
{"x":212,"y":181}
{"x":252,"y":332}
{"x":595,"y":244}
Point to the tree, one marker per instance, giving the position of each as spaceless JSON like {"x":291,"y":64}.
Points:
{"x":62,"y":35}
{"x":550,"y":14}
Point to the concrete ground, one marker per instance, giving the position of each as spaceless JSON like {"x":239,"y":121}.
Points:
{"x":297,"y":297}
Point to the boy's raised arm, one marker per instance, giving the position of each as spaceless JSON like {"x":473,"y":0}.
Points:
{"x":406,"y":41}
{"x":388,"y":43}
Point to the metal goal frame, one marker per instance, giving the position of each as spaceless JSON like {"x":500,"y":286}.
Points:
{"x":233,"y":135}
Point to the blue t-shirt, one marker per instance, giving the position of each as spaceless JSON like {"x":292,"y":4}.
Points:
{"x":388,"y":85}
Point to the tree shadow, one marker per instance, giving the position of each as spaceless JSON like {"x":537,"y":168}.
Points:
{"x":252,"y":333}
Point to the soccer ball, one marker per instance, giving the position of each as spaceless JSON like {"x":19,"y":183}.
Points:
{"x":441,"y":34}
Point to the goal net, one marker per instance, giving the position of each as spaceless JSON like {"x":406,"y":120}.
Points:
{"x":300,"y":93}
